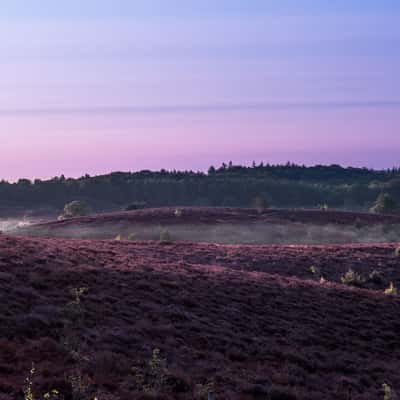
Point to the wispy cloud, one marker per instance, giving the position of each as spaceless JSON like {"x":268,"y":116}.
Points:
{"x":201,"y":108}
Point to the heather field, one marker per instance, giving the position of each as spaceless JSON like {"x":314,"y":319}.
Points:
{"x":119,"y":319}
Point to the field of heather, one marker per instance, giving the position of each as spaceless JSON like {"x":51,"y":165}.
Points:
{"x":178,"y":320}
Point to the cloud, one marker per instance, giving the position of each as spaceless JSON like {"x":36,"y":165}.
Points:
{"x":210,"y":108}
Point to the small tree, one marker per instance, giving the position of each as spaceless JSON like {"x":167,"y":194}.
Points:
{"x":75,"y":209}
{"x":385,"y":204}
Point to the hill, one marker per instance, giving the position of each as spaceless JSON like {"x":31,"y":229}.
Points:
{"x":251,"y":320}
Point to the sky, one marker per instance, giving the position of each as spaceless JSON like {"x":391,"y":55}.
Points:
{"x":103,"y":85}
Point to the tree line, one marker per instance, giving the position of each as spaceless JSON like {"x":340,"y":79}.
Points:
{"x":288,"y":185}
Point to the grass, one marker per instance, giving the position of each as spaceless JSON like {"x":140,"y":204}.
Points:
{"x":315,"y":270}
{"x":389,"y":393}
{"x":391,"y":290}
{"x":131,"y":236}
{"x":29,"y":393}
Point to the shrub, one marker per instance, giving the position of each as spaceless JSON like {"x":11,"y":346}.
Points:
{"x":397,"y":252}
{"x":74,"y":318}
{"x":391,"y":290}
{"x":165,"y":236}
{"x":132,"y":236}
{"x":139,"y":205}
{"x":152,"y":378}
{"x":323,"y":207}
{"x":178,"y":212}
{"x":375,"y":277}
{"x":75,"y":208}
{"x":28,"y":388}
{"x":352,"y":278}
{"x":73,"y":322}
{"x":315,"y":270}
{"x":385,"y":204}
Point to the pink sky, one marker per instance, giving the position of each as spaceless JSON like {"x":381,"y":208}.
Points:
{"x":93,"y":144}
{"x":223,"y":84}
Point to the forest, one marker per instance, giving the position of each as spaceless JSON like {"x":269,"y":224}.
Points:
{"x":229,"y":185}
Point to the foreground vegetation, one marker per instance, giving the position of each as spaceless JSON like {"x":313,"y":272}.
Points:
{"x":123,"y":320}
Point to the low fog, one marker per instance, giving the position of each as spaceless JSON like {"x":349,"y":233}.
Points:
{"x":223,"y":233}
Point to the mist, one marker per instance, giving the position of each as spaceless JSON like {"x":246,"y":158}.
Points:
{"x":224,"y":233}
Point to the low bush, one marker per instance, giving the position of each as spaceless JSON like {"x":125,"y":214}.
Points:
{"x":376,"y":277}
{"x":165,"y":236}
{"x":178,"y":212}
{"x":352,"y":278}
{"x":135,"y":206}
{"x":151,"y":378}
{"x":75,"y":208}
{"x":323,"y":207}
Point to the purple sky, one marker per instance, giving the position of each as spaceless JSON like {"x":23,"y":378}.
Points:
{"x":95,"y":88}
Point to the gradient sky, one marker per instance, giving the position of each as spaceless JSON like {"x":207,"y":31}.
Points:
{"x":99,"y":85}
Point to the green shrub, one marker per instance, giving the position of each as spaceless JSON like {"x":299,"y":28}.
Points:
{"x":352,"y":278}
{"x":75,"y":208}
